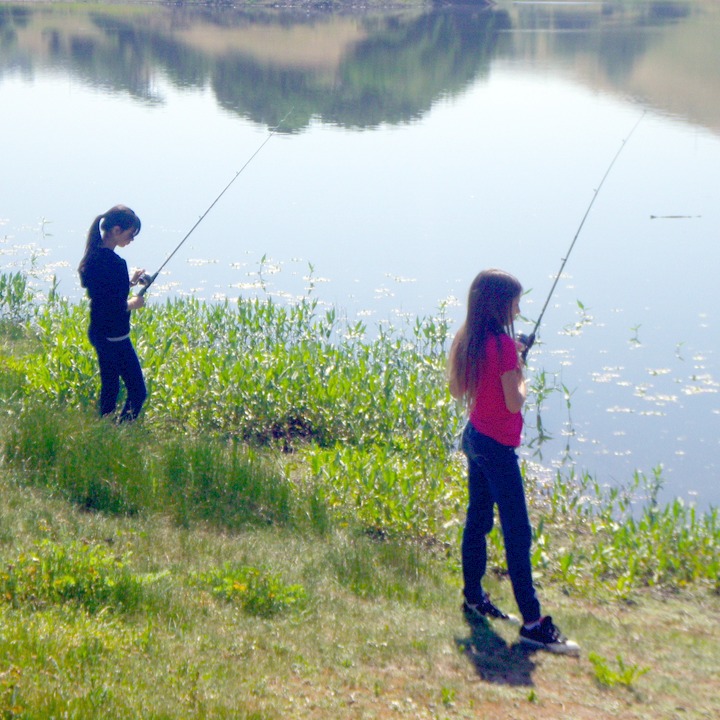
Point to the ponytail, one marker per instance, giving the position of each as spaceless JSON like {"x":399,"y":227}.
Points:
{"x":120,"y":216}
{"x":92,"y":244}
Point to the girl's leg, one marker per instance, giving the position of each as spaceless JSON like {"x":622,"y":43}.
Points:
{"x":109,"y":376}
{"x":132,"y":376}
{"x":517,"y":533}
{"x":478,"y":523}
{"x":499,"y":463}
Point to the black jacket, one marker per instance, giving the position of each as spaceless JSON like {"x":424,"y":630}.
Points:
{"x":108,"y":285}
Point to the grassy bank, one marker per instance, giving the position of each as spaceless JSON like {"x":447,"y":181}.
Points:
{"x":278,"y":537}
{"x":110,"y":616}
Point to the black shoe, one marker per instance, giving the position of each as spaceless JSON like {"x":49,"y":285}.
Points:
{"x":479,"y":612}
{"x":549,"y":637}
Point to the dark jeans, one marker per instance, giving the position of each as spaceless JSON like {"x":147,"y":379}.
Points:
{"x":119,"y":360}
{"x":494,"y":479}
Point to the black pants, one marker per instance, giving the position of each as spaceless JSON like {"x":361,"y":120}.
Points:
{"x":119,"y":360}
{"x":494,"y":479}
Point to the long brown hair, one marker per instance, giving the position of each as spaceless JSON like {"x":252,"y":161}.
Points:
{"x":489,"y":313}
{"x":120,"y":216}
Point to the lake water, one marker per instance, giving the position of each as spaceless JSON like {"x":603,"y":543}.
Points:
{"x":422,"y":145}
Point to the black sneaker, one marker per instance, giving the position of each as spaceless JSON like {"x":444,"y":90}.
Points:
{"x":549,"y":637}
{"x":479,"y":612}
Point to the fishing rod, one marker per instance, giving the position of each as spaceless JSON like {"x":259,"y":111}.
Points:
{"x":148,"y":280}
{"x":529,"y":340}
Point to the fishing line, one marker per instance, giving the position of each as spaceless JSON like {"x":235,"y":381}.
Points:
{"x":148,"y":280}
{"x":528,"y":340}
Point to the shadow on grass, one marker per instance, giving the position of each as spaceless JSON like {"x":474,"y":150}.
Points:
{"x":494,"y":660}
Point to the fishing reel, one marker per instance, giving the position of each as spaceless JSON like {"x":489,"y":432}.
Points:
{"x":527,"y":341}
{"x":146,"y":281}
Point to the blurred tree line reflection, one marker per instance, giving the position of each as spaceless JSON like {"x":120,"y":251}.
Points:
{"x":393,"y":70}
{"x":345,"y":68}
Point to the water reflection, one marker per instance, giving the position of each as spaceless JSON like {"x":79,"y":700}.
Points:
{"x":661,"y":53}
{"x":392,"y":75}
{"x":363,"y":71}
{"x":352,"y":70}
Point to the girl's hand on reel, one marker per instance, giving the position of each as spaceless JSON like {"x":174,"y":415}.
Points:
{"x":524,"y":343}
{"x":137,"y":277}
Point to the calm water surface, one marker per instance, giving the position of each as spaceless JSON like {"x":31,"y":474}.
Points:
{"x":422,"y":145}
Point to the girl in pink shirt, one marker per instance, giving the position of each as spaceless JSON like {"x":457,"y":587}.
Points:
{"x":486,"y":371}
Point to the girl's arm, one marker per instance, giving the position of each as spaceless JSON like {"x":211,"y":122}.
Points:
{"x":514,"y":389}
{"x":136,"y":302}
{"x":456,"y":387}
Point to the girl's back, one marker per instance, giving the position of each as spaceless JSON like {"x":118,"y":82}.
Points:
{"x":489,"y":413}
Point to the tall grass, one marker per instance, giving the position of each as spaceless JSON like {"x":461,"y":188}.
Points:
{"x":132,"y":469}
{"x":16,"y":298}
{"x":266,"y":372}
{"x":617,"y":539}
{"x":266,"y":414}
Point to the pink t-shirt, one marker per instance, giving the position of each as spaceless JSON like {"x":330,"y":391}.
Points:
{"x":490,"y":415}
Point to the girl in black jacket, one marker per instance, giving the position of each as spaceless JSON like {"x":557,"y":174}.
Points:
{"x":105,"y":276}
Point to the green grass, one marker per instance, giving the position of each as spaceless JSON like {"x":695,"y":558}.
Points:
{"x":278,"y":536}
{"x":178,"y":622}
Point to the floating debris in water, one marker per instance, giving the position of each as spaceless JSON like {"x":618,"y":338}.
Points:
{"x":674,"y":217}
{"x":661,"y":399}
{"x":383,"y":293}
{"x":257,"y":285}
{"x":315,"y":280}
{"x":604,"y":377}
{"x":399,"y":279}
{"x":707,"y":385}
